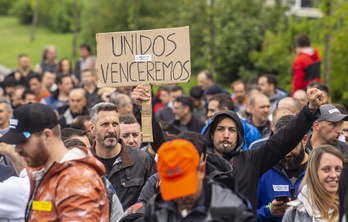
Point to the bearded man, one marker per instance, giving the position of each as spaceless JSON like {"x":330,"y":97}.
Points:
{"x":127,"y":168}
{"x":287,"y":174}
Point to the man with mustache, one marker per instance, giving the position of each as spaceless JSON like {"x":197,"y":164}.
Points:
{"x":127,"y":168}
{"x":286,"y":174}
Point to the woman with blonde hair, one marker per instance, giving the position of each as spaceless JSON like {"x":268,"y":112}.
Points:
{"x":318,"y":199}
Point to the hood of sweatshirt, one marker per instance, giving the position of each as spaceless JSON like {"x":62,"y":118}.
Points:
{"x":240,"y":131}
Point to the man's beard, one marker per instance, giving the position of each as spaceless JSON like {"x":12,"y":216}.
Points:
{"x":107,"y":143}
{"x":220,"y":148}
{"x":295,"y":162}
{"x":37,"y":158}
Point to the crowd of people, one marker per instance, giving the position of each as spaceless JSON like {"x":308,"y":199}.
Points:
{"x":70,"y":151}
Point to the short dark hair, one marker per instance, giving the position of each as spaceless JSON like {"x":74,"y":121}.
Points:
{"x":217,"y":120}
{"x":303,"y":41}
{"x":176,"y":88}
{"x":185,"y":101}
{"x":79,"y":122}
{"x":197,"y":139}
{"x":282,"y":122}
{"x":86,"y":46}
{"x":73,"y":142}
{"x":70,"y":132}
{"x":165,"y":88}
{"x":128,"y":119}
{"x":196,"y":92}
{"x":27,"y":92}
{"x":61,"y":76}
{"x":223,"y":100}
{"x":208,"y":74}
{"x":341,"y":108}
{"x":9,"y":81}
{"x":35,"y":76}
{"x":271,"y":79}
{"x":22,"y":55}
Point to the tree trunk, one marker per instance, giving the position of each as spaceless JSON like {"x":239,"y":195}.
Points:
{"x":34,"y":22}
{"x":74,"y":44}
{"x":327,"y":61}
{"x":212,"y":35}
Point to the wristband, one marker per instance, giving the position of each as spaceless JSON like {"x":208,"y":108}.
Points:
{"x":269,"y":206}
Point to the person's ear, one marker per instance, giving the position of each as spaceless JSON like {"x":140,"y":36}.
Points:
{"x":47,"y":135}
{"x":92,"y":128}
{"x":201,"y":170}
{"x":316,"y":125}
{"x":304,"y":139}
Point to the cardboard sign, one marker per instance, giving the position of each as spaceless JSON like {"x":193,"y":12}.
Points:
{"x":156,"y":56}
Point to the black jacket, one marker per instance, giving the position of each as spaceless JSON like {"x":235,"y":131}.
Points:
{"x":215,"y":168}
{"x":66,"y":117}
{"x":129,"y":173}
{"x":216,"y":203}
{"x":250,"y":165}
{"x":195,"y":125}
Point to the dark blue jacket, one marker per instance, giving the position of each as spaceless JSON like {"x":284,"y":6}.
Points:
{"x":273,"y":182}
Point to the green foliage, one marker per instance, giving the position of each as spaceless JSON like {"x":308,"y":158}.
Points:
{"x":23,"y":10}
{"x":5,"y":6}
{"x":57,"y":15}
{"x":275,"y":55}
{"x":339,"y":59}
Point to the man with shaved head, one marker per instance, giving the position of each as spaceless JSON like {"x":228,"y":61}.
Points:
{"x":260,"y":108}
{"x":77,"y":106}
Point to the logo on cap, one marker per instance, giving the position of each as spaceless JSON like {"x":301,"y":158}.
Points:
{"x":171,"y":172}
{"x":334,"y":111}
{"x":13,"y":123}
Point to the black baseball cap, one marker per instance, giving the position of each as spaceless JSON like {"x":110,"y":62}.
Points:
{"x":28,"y":119}
{"x":330,"y":113}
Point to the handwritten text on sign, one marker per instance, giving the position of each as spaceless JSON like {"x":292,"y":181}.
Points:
{"x":152,"y":56}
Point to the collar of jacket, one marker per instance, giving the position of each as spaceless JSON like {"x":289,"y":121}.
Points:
{"x":124,"y":155}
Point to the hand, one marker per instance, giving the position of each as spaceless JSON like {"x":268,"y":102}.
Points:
{"x":315,"y":98}
{"x":7,"y":149}
{"x":140,"y":93}
{"x":278,"y":208}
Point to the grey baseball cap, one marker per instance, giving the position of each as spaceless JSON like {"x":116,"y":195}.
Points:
{"x":330,"y":113}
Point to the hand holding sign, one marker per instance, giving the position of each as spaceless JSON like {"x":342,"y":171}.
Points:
{"x":140,"y":94}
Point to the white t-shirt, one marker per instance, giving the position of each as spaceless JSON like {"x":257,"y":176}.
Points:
{"x":14,"y":195}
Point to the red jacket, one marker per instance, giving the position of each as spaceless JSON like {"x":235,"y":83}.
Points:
{"x":69,"y":191}
{"x":306,"y":68}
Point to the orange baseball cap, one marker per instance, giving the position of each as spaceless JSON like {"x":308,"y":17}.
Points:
{"x":177,"y":167}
